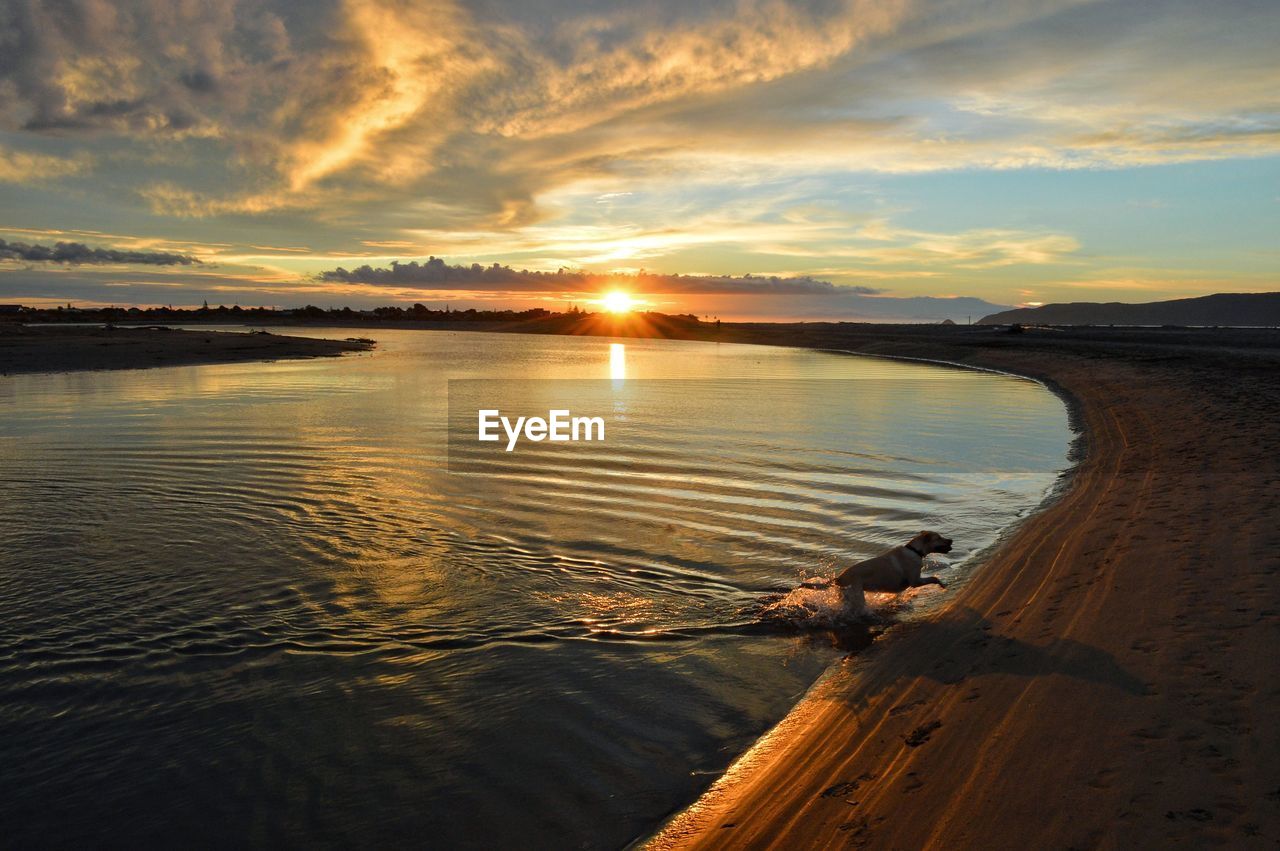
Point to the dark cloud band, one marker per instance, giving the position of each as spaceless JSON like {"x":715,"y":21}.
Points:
{"x":439,"y":275}
{"x":75,"y":252}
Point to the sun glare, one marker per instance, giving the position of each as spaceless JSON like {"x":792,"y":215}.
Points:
{"x":618,"y":302}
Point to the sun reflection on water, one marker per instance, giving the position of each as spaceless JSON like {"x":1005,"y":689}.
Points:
{"x":617,"y":361}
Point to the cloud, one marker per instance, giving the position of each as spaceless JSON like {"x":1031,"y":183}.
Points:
{"x":95,"y":285}
{"x":77,"y":253}
{"x":484,"y":108}
{"x":120,"y":67}
{"x":599,"y":65}
{"x":24,"y":167}
{"x":766,"y":230}
{"x":986,"y":248}
{"x":493,"y":129}
{"x":168,"y":199}
{"x":436,"y":274}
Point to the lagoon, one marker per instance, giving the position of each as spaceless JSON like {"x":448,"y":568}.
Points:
{"x":271,"y":603}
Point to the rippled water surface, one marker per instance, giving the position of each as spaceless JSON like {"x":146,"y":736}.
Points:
{"x":248,"y":604}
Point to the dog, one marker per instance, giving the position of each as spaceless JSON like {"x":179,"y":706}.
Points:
{"x":895,"y":570}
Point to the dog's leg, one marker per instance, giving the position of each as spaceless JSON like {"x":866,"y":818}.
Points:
{"x":928,"y":580}
{"x":913,"y":575}
{"x":855,"y":599}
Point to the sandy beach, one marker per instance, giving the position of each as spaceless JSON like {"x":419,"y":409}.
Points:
{"x":61,"y":348}
{"x":1107,"y":679}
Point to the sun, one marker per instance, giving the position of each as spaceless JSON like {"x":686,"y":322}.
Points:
{"x":617,"y":301}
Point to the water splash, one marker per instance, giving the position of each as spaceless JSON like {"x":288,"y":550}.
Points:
{"x":817,"y":603}
{"x":809,"y":606}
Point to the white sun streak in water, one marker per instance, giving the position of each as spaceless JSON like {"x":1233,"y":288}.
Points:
{"x":617,"y":361}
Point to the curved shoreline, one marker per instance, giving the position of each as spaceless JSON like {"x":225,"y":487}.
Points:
{"x":696,"y":817}
{"x":1103,"y":679}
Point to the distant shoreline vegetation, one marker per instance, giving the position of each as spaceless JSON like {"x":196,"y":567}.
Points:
{"x":310,"y":313}
{"x":1244,"y":310}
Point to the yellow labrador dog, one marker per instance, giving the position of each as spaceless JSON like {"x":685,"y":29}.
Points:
{"x":895,"y":570}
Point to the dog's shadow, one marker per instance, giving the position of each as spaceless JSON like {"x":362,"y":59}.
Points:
{"x":961,"y":644}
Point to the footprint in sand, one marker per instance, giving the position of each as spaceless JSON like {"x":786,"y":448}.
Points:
{"x":921,"y":734}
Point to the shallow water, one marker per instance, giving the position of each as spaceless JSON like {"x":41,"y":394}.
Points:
{"x":248,"y":603}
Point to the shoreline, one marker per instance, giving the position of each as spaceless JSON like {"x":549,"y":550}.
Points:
{"x":797,"y":721}
{"x":1102,"y":679}
{"x":48,"y":349}
{"x":992,"y":723}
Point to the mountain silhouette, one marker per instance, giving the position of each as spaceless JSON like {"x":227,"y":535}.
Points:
{"x":1240,"y":309}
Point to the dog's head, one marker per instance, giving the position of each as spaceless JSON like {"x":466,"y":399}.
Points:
{"x":931,"y":542}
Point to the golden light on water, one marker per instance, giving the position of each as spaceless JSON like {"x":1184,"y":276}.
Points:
{"x":617,"y":361}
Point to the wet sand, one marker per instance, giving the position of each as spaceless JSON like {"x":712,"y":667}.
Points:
{"x":1108,"y":677}
{"x":62,"y":348}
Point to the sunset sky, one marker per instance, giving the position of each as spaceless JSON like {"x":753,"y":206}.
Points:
{"x":858,"y":158}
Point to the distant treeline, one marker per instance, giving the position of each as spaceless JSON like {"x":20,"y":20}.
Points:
{"x":310,"y":313}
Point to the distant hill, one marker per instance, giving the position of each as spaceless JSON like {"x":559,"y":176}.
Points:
{"x":1220,"y":309}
